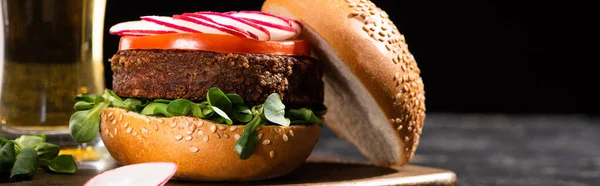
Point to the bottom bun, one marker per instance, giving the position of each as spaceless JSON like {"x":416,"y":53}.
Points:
{"x":203,"y":150}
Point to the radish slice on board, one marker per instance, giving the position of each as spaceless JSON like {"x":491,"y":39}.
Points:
{"x":205,"y":20}
{"x":261,"y":33}
{"x":207,"y":26}
{"x":140,"y":27}
{"x":136,"y":174}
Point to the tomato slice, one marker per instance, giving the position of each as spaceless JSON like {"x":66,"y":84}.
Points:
{"x":216,"y":43}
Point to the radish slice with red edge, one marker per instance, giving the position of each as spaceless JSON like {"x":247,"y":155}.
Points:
{"x":296,"y":25}
{"x":204,"y":20}
{"x":275,"y":19}
{"x":181,"y":25}
{"x":158,"y":173}
{"x":135,"y":34}
{"x":140,"y":27}
{"x":278,"y":32}
{"x":292,"y":22}
{"x":252,"y":28}
{"x":278,"y":28}
{"x":207,"y":26}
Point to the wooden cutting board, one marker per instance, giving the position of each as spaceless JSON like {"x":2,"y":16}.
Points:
{"x":316,"y":171}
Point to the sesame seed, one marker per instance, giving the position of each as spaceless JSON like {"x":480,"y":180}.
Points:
{"x":258,"y":129}
{"x":144,"y":130}
{"x":291,"y":133}
{"x":406,"y":139}
{"x":277,"y":129}
{"x":259,"y":136}
{"x":232,"y":128}
{"x":134,"y":133}
{"x":129,"y":130}
{"x":110,"y":114}
{"x":236,"y":136}
{"x":217,"y":136}
{"x":113,"y":122}
{"x":174,"y":124}
{"x":147,"y":120}
{"x":188,"y":138}
{"x":155,"y":127}
{"x":366,"y":28}
{"x":106,"y":131}
{"x":194,"y":149}
{"x":222,"y":127}
{"x":266,"y":142}
{"x":189,"y":132}
{"x":200,"y":123}
{"x":272,"y":154}
{"x":398,"y":96}
{"x":160,"y":121}
{"x":115,"y":131}
{"x":178,"y":137}
{"x":120,"y":117}
{"x":186,"y":123}
{"x":193,"y":127}
{"x":213,"y":128}
{"x":200,"y":132}
{"x":205,"y":138}
{"x":226,"y":136}
{"x":111,"y":135}
{"x":285,"y":138}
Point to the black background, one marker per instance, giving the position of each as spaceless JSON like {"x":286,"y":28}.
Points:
{"x":475,"y":56}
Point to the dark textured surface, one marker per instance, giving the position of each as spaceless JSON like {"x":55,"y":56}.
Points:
{"x":189,"y":74}
{"x":503,"y":150}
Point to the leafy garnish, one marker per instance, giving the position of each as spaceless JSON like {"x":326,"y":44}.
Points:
{"x":21,"y":157}
{"x":275,"y":110}
{"x":218,"y":107}
{"x":26,"y":163}
{"x":7,"y":155}
{"x":303,"y":115}
{"x":216,"y":98}
{"x":63,"y":164}
{"x":247,"y":143}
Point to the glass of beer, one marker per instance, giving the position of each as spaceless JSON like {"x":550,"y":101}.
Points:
{"x":50,"y":51}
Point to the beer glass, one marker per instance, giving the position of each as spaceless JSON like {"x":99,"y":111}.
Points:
{"x":50,"y":51}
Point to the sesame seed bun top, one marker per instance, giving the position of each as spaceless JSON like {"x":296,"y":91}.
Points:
{"x":373,"y":87}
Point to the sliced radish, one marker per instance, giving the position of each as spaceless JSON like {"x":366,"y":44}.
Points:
{"x":296,"y":24}
{"x":275,"y":19}
{"x":207,"y":26}
{"x":184,"y":26}
{"x":252,"y":28}
{"x":136,"y":174}
{"x":278,"y":32}
{"x":204,"y":20}
{"x":292,"y":22}
{"x":140,"y":27}
{"x":135,"y":34}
